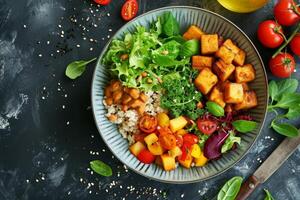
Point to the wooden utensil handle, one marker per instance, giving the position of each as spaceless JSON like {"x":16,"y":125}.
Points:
{"x":247,"y":188}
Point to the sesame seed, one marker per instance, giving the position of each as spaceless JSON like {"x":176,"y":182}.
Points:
{"x":24,"y":26}
{"x":78,"y":45}
{"x":40,"y":55}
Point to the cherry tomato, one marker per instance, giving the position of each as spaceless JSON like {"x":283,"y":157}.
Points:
{"x":167,"y":141}
{"x":190,"y":139}
{"x":102,"y":2}
{"x":129,"y":9}
{"x":282,"y":65}
{"x":206,"y":126}
{"x":145,"y":156}
{"x":179,"y":140}
{"x":270,"y":34}
{"x":286,"y":12}
{"x":148,"y":123}
{"x":140,"y":137}
{"x":295,"y":44}
{"x":163,"y":130}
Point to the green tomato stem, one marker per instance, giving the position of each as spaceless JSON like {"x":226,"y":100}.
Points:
{"x":287,"y":41}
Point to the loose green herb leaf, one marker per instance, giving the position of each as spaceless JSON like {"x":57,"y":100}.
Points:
{"x":273,"y":89}
{"x":76,"y":68}
{"x":231,"y":188}
{"x":101,"y":168}
{"x":229,"y":142}
{"x":170,"y":26}
{"x":189,"y":48}
{"x":268,"y":195}
{"x":286,"y":86}
{"x":214,"y":109}
{"x":293,"y":113}
{"x":285,"y":129}
{"x":287,"y":100}
{"x":244,"y":126}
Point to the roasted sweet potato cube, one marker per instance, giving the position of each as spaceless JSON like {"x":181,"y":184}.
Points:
{"x":244,"y":73}
{"x":205,"y":80}
{"x":239,"y":58}
{"x":233,"y":93}
{"x":225,"y":54}
{"x":193,"y":32}
{"x":199,"y":62}
{"x":223,"y":70}
{"x":249,"y":101}
{"x":229,"y":44}
{"x":209,"y":44}
{"x":217,"y":96}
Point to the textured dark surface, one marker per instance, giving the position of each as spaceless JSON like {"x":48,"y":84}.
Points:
{"x":47,"y":132}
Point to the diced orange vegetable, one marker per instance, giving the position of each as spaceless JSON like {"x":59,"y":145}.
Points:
{"x":136,"y":148}
{"x":177,"y":123}
{"x":150,"y":139}
{"x":156,"y":149}
{"x":176,"y":151}
{"x":163,"y":119}
{"x":193,"y":32}
{"x":201,"y":161}
{"x":181,"y":132}
{"x":168,"y":162}
{"x":195,"y":151}
{"x":187,"y":162}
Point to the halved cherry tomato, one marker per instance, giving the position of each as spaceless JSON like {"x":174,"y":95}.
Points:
{"x":148,"y":123}
{"x":270,"y":34}
{"x":179,"y":140}
{"x":207,"y":127}
{"x":163,"y":130}
{"x":167,"y":141}
{"x":190,"y":139}
{"x":282,"y":65}
{"x":129,"y":9}
{"x":103,"y":2}
{"x":286,"y":12}
{"x":295,"y":44}
{"x":140,"y":137}
{"x":145,"y":156}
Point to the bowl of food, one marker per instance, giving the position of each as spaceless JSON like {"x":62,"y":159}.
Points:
{"x":179,"y":94}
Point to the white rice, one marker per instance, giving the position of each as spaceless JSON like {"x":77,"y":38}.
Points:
{"x":128,"y":121}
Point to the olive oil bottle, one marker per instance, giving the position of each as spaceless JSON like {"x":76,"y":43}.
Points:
{"x":243,"y":6}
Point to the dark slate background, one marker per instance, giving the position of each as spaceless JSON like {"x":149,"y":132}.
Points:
{"x":47,"y":132}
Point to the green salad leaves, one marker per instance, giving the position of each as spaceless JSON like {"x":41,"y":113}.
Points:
{"x":101,"y":168}
{"x":231,"y":188}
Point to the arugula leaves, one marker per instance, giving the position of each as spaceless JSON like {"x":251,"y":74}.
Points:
{"x":101,"y":168}
{"x":229,"y":142}
{"x":231,"y":188}
{"x":76,"y":68}
{"x":283,"y":95}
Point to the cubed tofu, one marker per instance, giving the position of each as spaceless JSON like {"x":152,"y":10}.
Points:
{"x":187,"y":162}
{"x":245,"y":86}
{"x":136,"y":148}
{"x":233,"y":93}
{"x":168,"y":162}
{"x":200,"y":62}
{"x":209,"y":44}
{"x":249,"y":101}
{"x":223,"y":70}
{"x":205,"y":80}
{"x":232,"y":47}
{"x":239,"y":58}
{"x":225,"y":54}
{"x":244,"y":73}
{"x":178,"y":123}
{"x":217,"y":96}
{"x":193,"y":32}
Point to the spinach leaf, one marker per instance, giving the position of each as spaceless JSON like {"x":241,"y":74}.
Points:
{"x":268,"y":195}
{"x":101,"y":168}
{"x":286,"y":86}
{"x":285,"y":129}
{"x":170,"y":25}
{"x":229,"y":142}
{"x":214,"y":109}
{"x":273,"y":89}
{"x":244,"y":126}
{"x":189,"y":48}
{"x":76,"y":68}
{"x":231,"y":188}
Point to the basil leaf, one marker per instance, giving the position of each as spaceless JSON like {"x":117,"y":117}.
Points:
{"x":268,"y":195}
{"x":76,"y":68}
{"x":101,"y":168}
{"x":214,"y":109}
{"x":286,"y":86}
{"x":244,"y":126}
{"x":170,"y":25}
{"x":285,"y":129}
{"x":231,"y":188}
{"x":293,"y":113}
{"x":189,"y":48}
{"x":229,"y":142}
{"x":288,"y":100}
{"x":273,"y":89}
